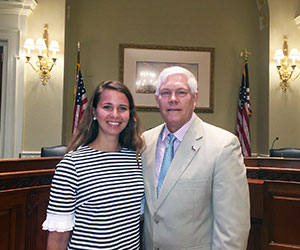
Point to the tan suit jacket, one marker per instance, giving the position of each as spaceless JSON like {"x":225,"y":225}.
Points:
{"x":204,"y":200}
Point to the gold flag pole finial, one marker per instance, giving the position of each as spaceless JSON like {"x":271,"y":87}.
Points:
{"x":245,"y":53}
{"x":78,"y":52}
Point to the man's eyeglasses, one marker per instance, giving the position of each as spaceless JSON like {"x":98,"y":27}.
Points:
{"x":178,"y":93}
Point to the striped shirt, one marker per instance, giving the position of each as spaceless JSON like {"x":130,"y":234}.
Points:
{"x":102,"y":192}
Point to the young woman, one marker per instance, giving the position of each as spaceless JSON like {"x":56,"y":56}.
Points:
{"x":96,"y":192}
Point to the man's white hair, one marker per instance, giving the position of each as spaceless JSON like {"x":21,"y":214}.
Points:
{"x":192,"y":82}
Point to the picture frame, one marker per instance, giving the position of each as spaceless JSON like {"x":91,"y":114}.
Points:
{"x":140,"y":65}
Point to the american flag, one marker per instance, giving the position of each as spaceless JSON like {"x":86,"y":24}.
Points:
{"x":80,"y":104}
{"x":244,"y":113}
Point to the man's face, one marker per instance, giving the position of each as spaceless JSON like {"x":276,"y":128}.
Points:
{"x":176,"y":102}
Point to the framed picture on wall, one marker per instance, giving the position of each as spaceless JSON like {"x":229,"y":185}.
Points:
{"x":140,"y":66}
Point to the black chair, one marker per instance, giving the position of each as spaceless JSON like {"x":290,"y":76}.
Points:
{"x":285,"y":152}
{"x":53,"y":151}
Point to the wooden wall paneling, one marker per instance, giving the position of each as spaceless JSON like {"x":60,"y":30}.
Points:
{"x":256,"y":198}
{"x":40,"y":216}
{"x":37,"y":202}
{"x":12,"y":220}
{"x":282,"y":216}
{"x":274,"y":186}
{"x":256,"y":208}
{"x":24,"y":195}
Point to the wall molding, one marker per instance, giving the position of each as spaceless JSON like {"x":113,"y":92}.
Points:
{"x":24,"y":7}
{"x":30,"y":154}
{"x":13,"y":20}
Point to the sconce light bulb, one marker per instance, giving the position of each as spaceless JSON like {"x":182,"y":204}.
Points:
{"x":294,"y":55}
{"x":29,"y":45}
{"x":278,"y":62}
{"x":54,"y":47}
{"x":40,"y":45}
{"x":279,"y":55}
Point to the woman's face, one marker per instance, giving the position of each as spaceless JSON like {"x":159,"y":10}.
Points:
{"x":112,"y":112}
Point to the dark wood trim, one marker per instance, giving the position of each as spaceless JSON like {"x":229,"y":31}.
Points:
{"x":274,"y":185}
{"x":274,"y":198}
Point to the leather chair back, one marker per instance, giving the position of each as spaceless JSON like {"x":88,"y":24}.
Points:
{"x":53,"y":151}
{"x":285,"y":152}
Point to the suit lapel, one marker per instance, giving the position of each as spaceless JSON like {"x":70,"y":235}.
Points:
{"x":187,"y":150}
{"x":149,"y":167}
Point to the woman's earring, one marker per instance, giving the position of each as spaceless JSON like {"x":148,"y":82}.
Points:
{"x":94,"y":118}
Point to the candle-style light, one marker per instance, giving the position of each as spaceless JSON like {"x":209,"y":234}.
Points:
{"x":44,"y":63}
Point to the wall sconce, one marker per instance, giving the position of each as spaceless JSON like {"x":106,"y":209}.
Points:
{"x":286,"y":69}
{"x":44,"y":63}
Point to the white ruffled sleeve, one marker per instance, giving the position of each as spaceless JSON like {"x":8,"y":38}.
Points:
{"x":59,"y":223}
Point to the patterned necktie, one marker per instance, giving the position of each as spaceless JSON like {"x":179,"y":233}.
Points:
{"x":168,"y":157}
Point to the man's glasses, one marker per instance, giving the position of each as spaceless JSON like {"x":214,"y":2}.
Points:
{"x":178,"y":93}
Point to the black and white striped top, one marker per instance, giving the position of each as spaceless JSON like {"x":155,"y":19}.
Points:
{"x":103,"y":192}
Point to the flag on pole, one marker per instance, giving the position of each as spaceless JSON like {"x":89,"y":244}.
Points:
{"x":244,"y":113}
{"x":80,"y":103}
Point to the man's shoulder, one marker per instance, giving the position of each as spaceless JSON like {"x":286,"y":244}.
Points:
{"x":217,"y":135}
{"x":152,"y":131}
{"x":216,"y":129}
{"x":209,"y":130}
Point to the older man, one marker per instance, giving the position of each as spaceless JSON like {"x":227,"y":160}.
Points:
{"x":195,"y":180}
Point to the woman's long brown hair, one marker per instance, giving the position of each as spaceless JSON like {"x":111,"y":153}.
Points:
{"x":87,"y":130}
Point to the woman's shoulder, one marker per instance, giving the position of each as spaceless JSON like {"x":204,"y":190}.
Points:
{"x":81,"y":152}
{"x":85,"y":151}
